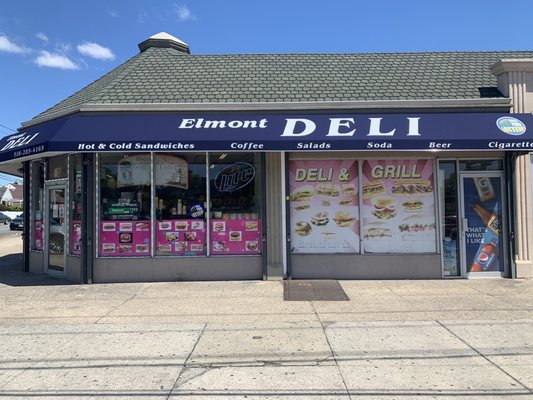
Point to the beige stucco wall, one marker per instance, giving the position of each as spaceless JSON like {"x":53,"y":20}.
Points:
{"x":515,"y":80}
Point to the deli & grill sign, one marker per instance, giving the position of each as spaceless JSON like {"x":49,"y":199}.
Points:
{"x":272,"y":132}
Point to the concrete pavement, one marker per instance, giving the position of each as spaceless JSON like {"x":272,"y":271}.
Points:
{"x":453,"y":339}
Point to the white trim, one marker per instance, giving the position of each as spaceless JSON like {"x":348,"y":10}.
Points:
{"x":277,"y":106}
{"x":284,"y":250}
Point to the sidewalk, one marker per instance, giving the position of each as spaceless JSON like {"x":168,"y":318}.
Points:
{"x":453,"y":339}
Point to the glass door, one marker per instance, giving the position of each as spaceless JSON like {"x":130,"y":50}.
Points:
{"x":483,"y":236}
{"x":56,"y":227}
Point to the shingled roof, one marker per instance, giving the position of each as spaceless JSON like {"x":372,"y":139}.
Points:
{"x":167,"y":75}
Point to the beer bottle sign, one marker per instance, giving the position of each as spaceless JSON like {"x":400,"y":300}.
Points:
{"x":483,"y":235}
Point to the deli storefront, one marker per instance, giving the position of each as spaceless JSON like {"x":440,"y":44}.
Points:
{"x":171,"y":196}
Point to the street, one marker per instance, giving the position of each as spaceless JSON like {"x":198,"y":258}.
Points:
{"x":442,"y":339}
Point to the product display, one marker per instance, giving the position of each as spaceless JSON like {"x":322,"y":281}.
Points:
{"x":235,"y":236}
{"x":124,"y":239}
{"x":324,"y":206}
{"x":398,"y":214}
{"x":181,"y":237}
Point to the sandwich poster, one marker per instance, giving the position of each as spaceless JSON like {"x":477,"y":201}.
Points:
{"x":398,"y":206}
{"x":324,"y":206}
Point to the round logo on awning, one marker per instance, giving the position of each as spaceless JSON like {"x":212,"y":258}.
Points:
{"x":511,"y":126}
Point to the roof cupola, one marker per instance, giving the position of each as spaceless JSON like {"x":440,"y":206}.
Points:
{"x":163,"y":39}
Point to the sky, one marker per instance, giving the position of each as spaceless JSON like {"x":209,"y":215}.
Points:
{"x":51,"y":49}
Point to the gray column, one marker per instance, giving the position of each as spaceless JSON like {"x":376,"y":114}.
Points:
{"x":274,"y":216}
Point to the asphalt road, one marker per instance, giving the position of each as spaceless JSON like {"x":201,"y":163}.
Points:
{"x":6,"y":232}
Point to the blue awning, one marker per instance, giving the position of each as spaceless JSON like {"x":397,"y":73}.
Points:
{"x":272,"y":132}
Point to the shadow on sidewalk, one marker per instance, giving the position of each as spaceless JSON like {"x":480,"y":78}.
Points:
{"x":12,"y":274}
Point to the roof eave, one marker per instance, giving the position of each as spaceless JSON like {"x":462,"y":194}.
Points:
{"x":437,"y":104}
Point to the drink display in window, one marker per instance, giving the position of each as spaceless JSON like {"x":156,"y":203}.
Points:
{"x":125,"y":227}
{"x":235,"y":197}
{"x":324,"y":206}
{"x":180,"y":205}
{"x":398,"y":206}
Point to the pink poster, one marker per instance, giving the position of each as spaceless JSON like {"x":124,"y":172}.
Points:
{"x":235,"y":236}
{"x":75,"y":238}
{"x":398,"y":206}
{"x":125,"y":239}
{"x":184,"y":237}
{"x":324,"y":206}
{"x":38,"y":235}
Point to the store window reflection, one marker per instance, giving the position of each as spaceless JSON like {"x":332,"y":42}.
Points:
{"x":181,"y":203}
{"x":37,"y":191}
{"x":235,"y":181}
{"x":125,"y":205}
{"x":75,"y":211}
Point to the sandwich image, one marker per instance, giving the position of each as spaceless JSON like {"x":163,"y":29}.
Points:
{"x":412,"y":205}
{"x":345,"y":202}
{"x":182,"y":225}
{"x":416,"y":223}
{"x":302,"y":207}
{"x":320,"y":218}
{"x":235,"y":236}
{"x":384,"y":207}
{"x":328,"y":189}
{"x":219,"y":226}
{"x":303,"y":193}
{"x":348,"y":188}
{"x":375,"y":230}
{"x":251,"y":225}
{"x":343,"y":218}
{"x":302,"y":228}
{"x":372,"y":189}
{"x":251,"y":245}
{"x":413,"y":186}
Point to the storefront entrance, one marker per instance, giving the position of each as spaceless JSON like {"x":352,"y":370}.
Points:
{"x":473,"y":222}
{"x":55,"y":229}
{"x":482,"y":202}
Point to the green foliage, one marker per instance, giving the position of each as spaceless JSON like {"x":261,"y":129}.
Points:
{"x":10,"y":208}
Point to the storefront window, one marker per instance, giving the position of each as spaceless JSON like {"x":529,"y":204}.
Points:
{"x":398,"y":208}
{"x":324,"y":206}
{"x":57,"y":167}
{"x":235,"y":188}
{"x":449,"y":221}
{"x":37,"y":221}
{"x":75,"y":210}
{"x":181,"y":203}
{"x":481,"y":165}
{"x":125,"y":206}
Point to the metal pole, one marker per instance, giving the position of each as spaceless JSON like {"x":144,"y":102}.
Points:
{"x":26,"y":211}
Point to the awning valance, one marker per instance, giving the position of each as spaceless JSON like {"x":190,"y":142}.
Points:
{"x":272,"y":132}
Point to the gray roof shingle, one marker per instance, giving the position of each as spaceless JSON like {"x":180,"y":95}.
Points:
{"x":164,"y":75}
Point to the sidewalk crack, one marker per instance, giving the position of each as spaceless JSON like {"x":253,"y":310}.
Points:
{"x":484,"y":357}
